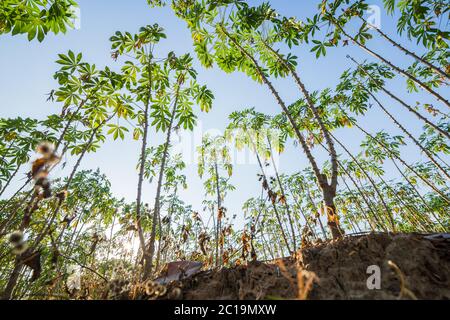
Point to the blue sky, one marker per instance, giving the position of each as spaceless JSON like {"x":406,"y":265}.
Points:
{"x":26,"y":71}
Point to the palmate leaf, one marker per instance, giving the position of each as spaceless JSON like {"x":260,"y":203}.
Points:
{"x":124,"y":110}
{"x":36,"y":18}
{"x":389,"y":5}
{"x":156,"y":3}
{"x":117,"y":131}
{"x":363,"y":35}
{"x":123,"y":42}
{"x":68,"y":96}
{"x":161,"y":116}
{"x":130,"y":71}
{"x":69,"y":61}
{"x":186,"y":117}
{"x":137,"y":132}
{"x":203,"y":55}
{"x":204,"y":98}
{"x":38,"y":30}
{"x":320,"y":48}
{"x":226,"y":61}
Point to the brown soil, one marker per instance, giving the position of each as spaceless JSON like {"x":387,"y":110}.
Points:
{"x":337,"y":270}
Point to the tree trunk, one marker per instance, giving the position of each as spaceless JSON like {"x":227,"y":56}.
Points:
{"x":330,"y":209}
{"x":141,"y":172}
{"x":315,"y":112}
{"x":168,"y":229}
{"x":216,"y":238}
{"x":219,"y":247}
{"x":156,"y":211}
{"x":386,"y":207}
{"x":327,"y":189}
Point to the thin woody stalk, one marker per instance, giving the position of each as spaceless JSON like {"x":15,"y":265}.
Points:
{"x":142,"y":167}
{"x":329,"y":191}
{"x":156,"y":212}
{"x":409,"y":108}
{"x":408,"y":52}
{"x":398,"y":69}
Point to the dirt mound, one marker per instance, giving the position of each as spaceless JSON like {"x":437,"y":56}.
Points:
{"x":411,"y":266}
